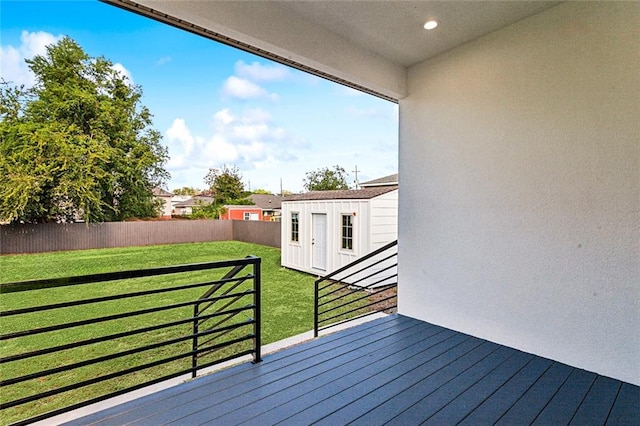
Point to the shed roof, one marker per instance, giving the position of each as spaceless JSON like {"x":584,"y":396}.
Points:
{"x":347,"y":194}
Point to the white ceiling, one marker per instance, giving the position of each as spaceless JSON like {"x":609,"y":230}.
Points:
{"x":394,"y":29}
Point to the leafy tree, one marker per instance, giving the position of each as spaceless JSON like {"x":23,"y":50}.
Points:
{"x":78,"y":144}
{"x":261,"y":191}
{"x":326,"y":179}
{"x":225,"y":184}
{"x":186,"y":190}
{"x":227,"y":188}
{"x":208,"y":211}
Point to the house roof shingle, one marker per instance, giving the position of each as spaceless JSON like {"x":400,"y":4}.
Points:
{"x":266,"y":201}
{"x":347,"y":194}
{"x":383,"y":181}
{"x":198,"y":200}
{"x":159,"y":192}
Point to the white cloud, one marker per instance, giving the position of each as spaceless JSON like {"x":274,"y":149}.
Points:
{"x":249,"y":140}
{"x":125,"y":73}
{"x":241,"y":88}
{"x":179,"y":132}
{"x":258,"y":72}
{"x":223,"y":117}
{"x":14,"y":68}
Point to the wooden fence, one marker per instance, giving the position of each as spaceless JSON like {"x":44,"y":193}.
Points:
{"x":47,"y":237}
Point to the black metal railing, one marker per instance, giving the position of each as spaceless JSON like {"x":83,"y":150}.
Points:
{"x":364,"y":287}
{"x":139,"y":327}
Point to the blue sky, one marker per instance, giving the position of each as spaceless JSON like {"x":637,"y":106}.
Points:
{"x":214,"y":104}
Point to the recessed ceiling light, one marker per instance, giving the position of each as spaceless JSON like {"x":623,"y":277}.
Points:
{"x":429,"y":25}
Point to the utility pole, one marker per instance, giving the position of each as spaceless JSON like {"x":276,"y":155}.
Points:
{"x":281,"y":187}
{"x":356,"y":172}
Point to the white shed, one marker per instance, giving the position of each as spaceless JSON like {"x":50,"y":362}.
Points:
{"x":325,"y":230}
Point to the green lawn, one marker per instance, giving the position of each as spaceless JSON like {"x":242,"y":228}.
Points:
{"x":287,"y":298}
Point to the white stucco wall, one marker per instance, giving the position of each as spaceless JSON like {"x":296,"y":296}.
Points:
{"x":521,"y":153}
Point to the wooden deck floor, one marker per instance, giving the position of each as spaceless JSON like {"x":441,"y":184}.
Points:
{"x":394,"y":370}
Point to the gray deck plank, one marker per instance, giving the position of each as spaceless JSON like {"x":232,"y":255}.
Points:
{"x":527,"y":408}
{"x":394,"y":370}
{"x":339,"y":394}
{"x":280,"y":405}
{"x":457,"y":409}
{"x":236,"y":410}
{"x":410,"y":388}
{"x":493,"y":408}
{"x":598,"y":402}
{"x":626,"y":409}
{"x":564,"y":404}
{"x":435,"y":401}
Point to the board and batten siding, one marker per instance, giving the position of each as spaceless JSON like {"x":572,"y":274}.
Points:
{"x":374,"y":224}
{"x":384,"y":220}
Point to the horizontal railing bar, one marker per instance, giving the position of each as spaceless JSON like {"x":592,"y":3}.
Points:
{"x":226,"y":292}
{"x":371,"y":287}
{"x":380,"y":271}
{"x":357,"y":309}
{"x":84,"y":363}
{"x":113,"y":276}
{"x":202,"y":344}
{"x":232,"y":273}
{"x":116,"y":297}
{"x":366,"y":314}
{"x":222,"y":321}
{"x":360,"y":260}
{"x":360,"y":288}
{"x":344,"y":304}
{"x":106,"y":318}
{"x":346,"y":285}
{"x":119,"y":392}
{"x":366,"y":267}
{"x":113,"y":336}
{"x":110,"y":376}
{"x":229,"y":315}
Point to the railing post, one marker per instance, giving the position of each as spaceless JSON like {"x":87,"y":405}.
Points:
{"x":315,"y":308}
{"x":194,"y":342}
{"x":257,"y":301}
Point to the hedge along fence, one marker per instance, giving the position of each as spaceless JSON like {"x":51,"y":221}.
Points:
{"x":47,"y":237}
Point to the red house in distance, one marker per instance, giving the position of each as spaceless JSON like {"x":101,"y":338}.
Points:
{"x":267,"y":207}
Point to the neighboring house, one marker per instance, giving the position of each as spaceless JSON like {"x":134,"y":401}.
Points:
{"x":240,"y":212}
{"x":266,"y":207}
{"x":186,"y":207}
{"x":325,"y":230}
{"x":391,"y":180}
{"x":178,"y":199}
{"x":165,"y":198}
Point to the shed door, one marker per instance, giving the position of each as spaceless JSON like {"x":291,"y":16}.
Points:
{"x":319,"y":241}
